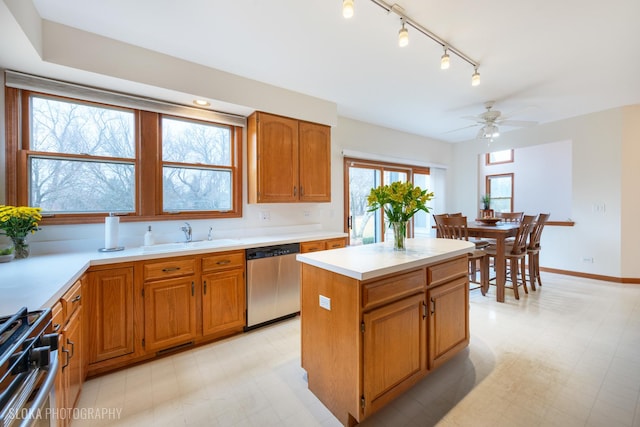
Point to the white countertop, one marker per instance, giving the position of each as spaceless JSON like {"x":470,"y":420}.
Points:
{"x":370,"y":261}
{"x":40,"y":280}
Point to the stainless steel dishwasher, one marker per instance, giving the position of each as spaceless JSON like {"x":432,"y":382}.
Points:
{"x":273,"y":284}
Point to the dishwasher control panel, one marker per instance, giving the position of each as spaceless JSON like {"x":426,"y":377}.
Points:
{"x":272,"y":251}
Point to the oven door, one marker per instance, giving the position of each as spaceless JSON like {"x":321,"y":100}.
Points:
{"x":33,"y":397}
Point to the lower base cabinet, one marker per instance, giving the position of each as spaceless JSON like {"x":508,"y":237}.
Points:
{"x":369,"y":341}
{"x":223,"y":302}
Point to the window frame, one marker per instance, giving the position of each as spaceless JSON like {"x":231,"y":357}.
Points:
{"x":489,"y":162}
{"x":147,"y":162}
{"x":488,"y":187}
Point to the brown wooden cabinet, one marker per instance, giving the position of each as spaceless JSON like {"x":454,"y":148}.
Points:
{"x":110,"y":300}
{"x":322,"y":245}
{"x":364,"y":342}
{"x":223,"y":293}
{"x":67,"y":320}
{"x":288,"y":160}
{"x":169,"y":303}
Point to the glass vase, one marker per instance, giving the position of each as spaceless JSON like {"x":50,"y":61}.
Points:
{"x":399,"y":235}
{"x":21,"y":247}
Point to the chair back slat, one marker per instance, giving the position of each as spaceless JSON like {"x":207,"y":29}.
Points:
{"x":510,"y":216}
{"x":536,"y":232}
{"x":454,"y":227}
{"x":520,"y":241}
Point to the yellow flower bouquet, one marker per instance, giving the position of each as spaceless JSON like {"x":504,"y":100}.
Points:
{"x":17,"y":222}
{"x":400,"y":201}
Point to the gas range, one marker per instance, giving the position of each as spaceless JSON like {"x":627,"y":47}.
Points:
{"x":28,"y":365}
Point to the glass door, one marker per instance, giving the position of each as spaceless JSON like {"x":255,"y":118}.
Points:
{"x":367,"y":227}
{"x":362,"y":225}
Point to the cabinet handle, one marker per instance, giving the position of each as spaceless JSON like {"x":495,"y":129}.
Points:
{"x":433,"y":306}
{"x":295,"y":190}
{"x":424,"y":310}
{"x":73,"y":347}
{"x":193,"y":289}
{"x":76,"y":299}
{"x":205,"y":287}
{"x":56,"y":327}
{"x":170,"y":269}
{"x":224,"y":262}
{"x":66,"y":363}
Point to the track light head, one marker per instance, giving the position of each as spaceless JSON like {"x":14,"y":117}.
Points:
{"x":347,"y":8}
{"x":403,"y":35}
{"x":475,"y":78}
{"x":444,"y":60}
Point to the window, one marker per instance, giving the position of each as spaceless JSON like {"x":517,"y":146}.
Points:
{"x":80,"y":160}
{"x":500,"y":187}
{"x":498,"y":157}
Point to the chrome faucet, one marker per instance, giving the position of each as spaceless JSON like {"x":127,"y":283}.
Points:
{"x":187,"y":231}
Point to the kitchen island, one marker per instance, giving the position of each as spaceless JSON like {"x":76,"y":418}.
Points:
{"x":375,"y":321}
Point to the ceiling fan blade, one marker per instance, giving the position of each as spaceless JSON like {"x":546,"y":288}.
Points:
{"x":475,"y":118}
{"x":517,"y":123}
{"x":462,"y":128}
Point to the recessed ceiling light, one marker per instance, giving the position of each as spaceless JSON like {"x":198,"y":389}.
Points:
{"x":201,"y":103}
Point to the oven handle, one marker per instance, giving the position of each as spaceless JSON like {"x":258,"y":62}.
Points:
{"x":43,"y":392}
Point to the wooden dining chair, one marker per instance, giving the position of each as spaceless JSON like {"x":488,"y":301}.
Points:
{"x":515,"y":252}
{"x":533,"y":250}
{"x":480,"y":243}
{"x":510,"y":216}
{"x":455,"y":227}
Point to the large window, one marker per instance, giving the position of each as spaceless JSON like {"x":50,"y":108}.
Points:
{"x":81,"y":160}
{"x":500,"y":187}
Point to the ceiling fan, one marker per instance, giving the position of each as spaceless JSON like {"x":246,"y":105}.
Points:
{"x":491,"y":119}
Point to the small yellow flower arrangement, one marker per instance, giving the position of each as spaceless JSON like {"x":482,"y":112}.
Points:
{"x":400,"y":201}
{"x":17,"y":222}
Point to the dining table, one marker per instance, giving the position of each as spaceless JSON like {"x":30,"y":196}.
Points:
{"x":500,"y":232}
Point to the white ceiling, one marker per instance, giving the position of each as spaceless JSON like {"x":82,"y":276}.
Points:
{"x":544,"y":61}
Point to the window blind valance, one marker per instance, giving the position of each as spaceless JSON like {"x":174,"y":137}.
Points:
{"x":24,"y":81}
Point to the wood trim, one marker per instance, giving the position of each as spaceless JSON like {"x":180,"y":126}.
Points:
{"x":487,"y":162}
{"x":12,"y":138}
{"x":561,"y":223}
{"x":629,"y":280}
{"x":149,"y":178}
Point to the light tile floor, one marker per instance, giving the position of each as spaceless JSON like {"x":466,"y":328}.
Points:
{"x":566,"y":355}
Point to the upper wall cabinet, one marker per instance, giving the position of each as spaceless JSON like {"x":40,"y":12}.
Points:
{"x":288,"y":160}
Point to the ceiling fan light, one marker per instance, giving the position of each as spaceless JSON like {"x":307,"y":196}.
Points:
{"x":444,"y":61}
{"x":347,"y":8}
{"x":475,"y":78}
{"x":403,"y":36}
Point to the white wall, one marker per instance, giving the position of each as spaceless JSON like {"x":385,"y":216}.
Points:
{"x":598,"y":152}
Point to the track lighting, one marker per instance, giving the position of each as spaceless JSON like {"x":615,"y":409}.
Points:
{"x":347,"y":8}
{"x":403,"y":35}
{"x":475,"y":77}
{"x":444,"y":60}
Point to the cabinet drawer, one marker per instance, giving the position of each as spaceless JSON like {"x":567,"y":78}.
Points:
{"x":71,"y":300}
{"x":57,"y":317}
{"x":223,"y":261}
{"x":167,"y":269}
{"x":448,"y":270}
{"x":336,"y":243}
{"x":315,"y":246}
{"x":388,"y":290}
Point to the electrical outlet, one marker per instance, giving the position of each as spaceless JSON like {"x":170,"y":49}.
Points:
{"x":265,"y":216}
{"x":325,"y":302}
{"x":307,"y":213}
{"x":587,"y":259}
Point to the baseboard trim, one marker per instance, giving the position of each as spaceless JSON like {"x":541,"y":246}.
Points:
{"x":632,"y":280}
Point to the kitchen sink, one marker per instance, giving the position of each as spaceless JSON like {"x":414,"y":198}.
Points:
{"x":196,"y":244}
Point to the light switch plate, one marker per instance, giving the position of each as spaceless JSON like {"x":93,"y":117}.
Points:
{"x":325,"y":302}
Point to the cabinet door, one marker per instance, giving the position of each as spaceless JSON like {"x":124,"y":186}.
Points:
{"x":73,"y":365}
{"x":277,"y":147}
{"x":170,"y":313}
{"x":315,"y":162}
{"x":336,"y":243}
{"x":223,"y":301}
{"x":58,"y":321}
{"x":111,"y":324}
{"x":394,"y":349}
{"x":448,"y":320}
